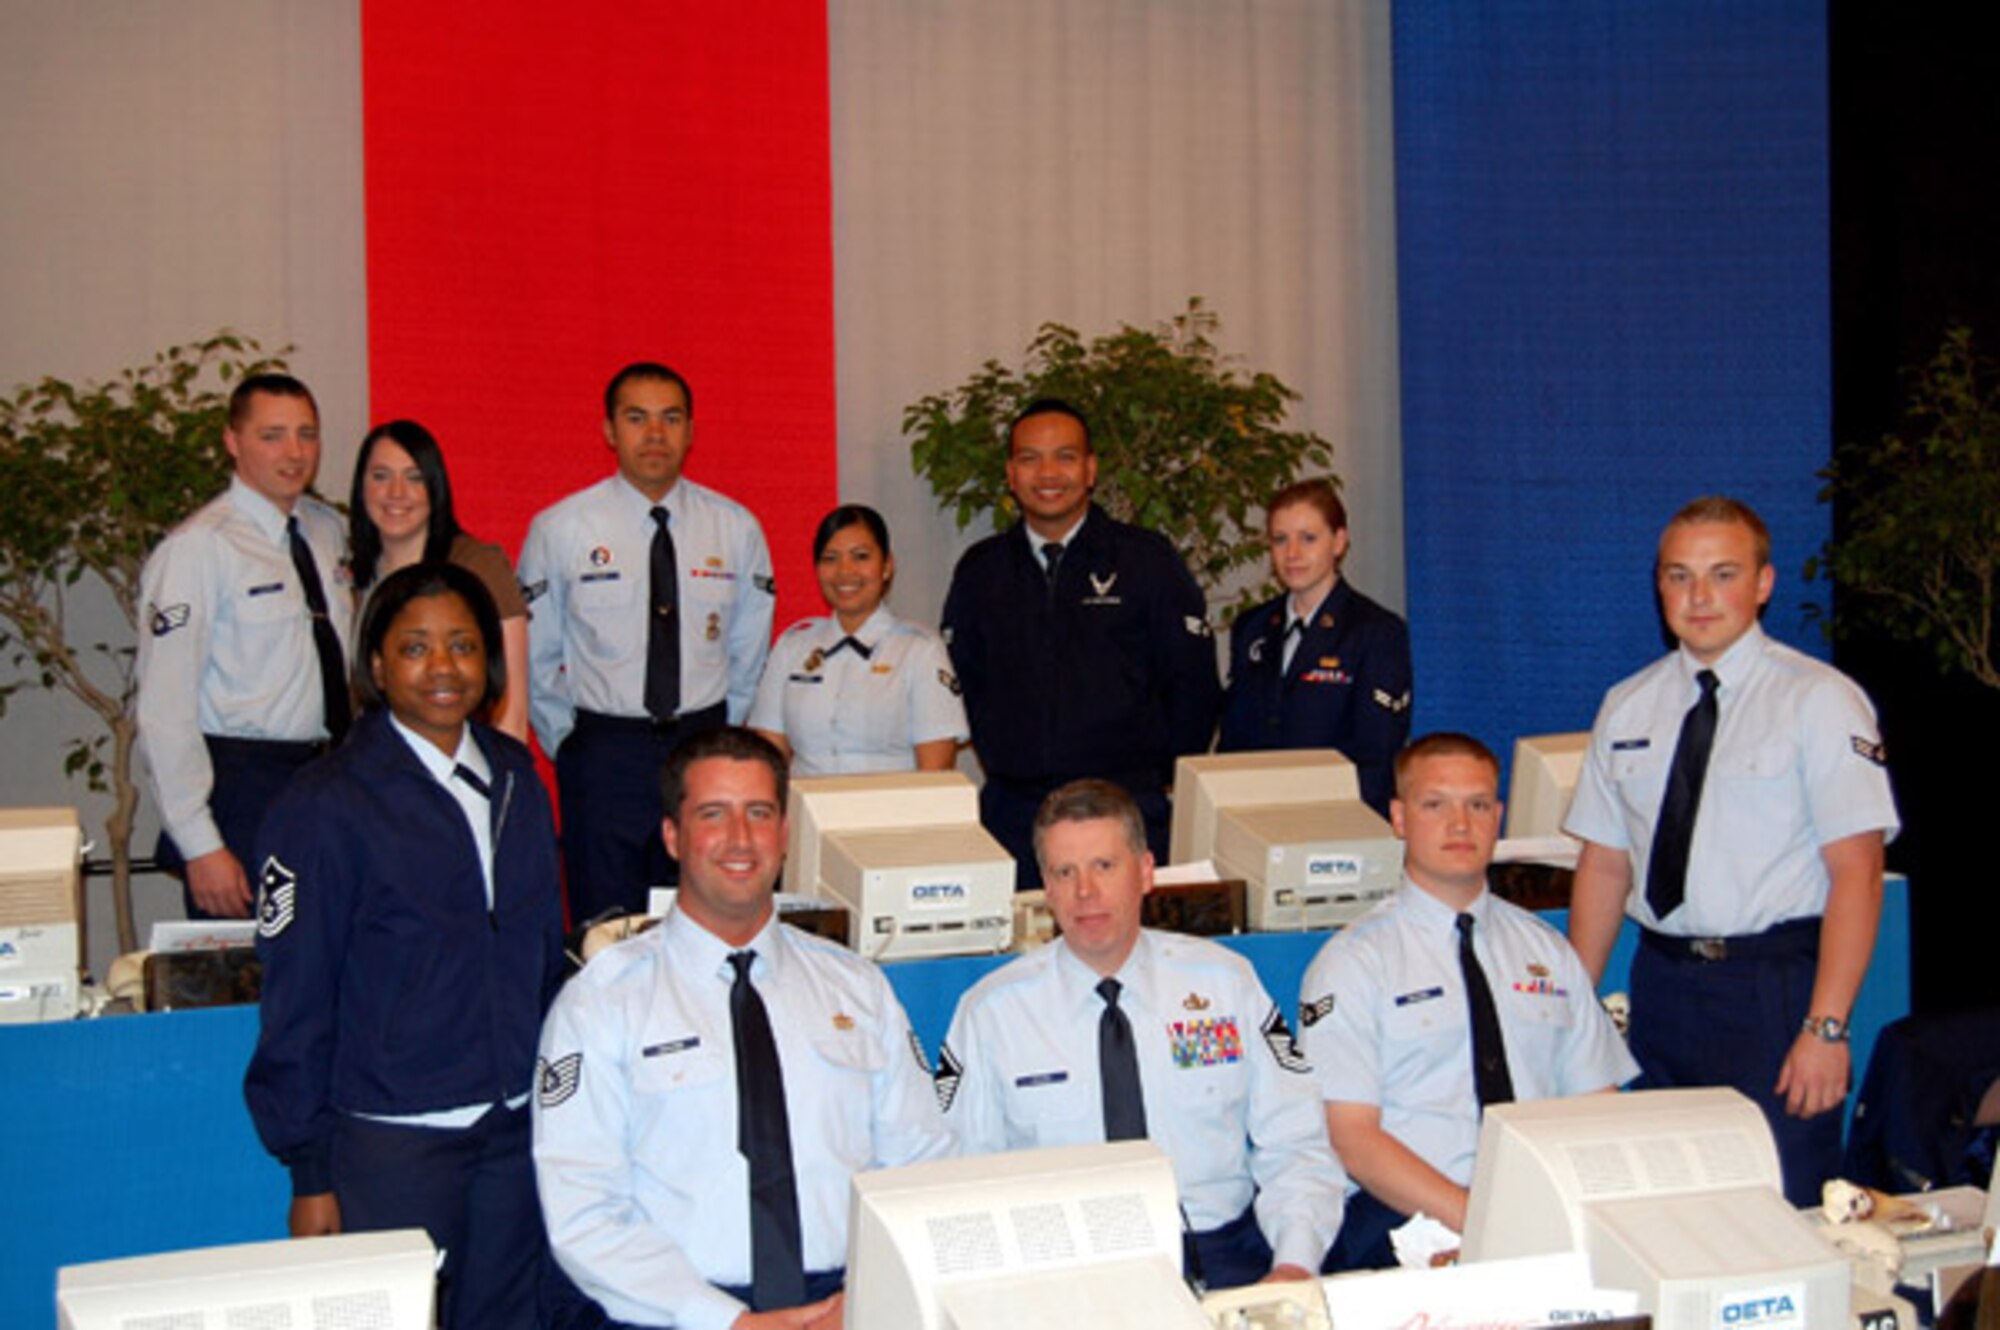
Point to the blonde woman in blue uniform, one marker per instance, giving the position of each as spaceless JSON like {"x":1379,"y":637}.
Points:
{"x":1322,"y":666}
{"x":859,"y":690}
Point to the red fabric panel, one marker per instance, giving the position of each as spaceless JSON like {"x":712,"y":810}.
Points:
{"x":557,"y":190}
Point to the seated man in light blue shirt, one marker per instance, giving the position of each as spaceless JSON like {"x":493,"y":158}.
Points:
{"x":1391,"y":1009}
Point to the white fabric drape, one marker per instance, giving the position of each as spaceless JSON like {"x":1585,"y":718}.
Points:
{"x":999,"y":163}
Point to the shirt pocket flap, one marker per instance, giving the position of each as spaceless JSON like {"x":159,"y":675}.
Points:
{"x":1768,"y":761}
{"x":851,"y":1050}
{"x":678,"y":1065}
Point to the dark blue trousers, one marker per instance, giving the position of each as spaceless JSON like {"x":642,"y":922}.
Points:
{"x":577,"y":1312}
{"x":1007,"y":810}
{"x":1228,"y":1256}
{"x":249,"y":773}
{"x":1731,"y":1022}
{"x":1363,"y":1243}
{"x":608,"y":783}
{"x":473,"y":1191}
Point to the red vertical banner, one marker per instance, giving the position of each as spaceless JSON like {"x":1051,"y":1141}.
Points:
{"x":554,"y":191}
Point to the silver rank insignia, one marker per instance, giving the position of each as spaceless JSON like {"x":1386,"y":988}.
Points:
{"x":556,"y":1081}
{"x":1868,"y":748}
{"x":950,"y":1071}
{"x":167,"y":618}
{"x":277,"y":898}
{"x":1395,"y":704}
{"x":1278,"y":1036}
{"x":1312,"y":1013}
{"x":917,"y":1052}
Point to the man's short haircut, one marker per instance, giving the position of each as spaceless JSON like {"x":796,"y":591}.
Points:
{"x":1319,"y":493}
{"x":271,"y":385}
{"x":1088,"y":801}
{"x":1048,"y":406}
{"x":1444,"y":743}
{"x":1722,"y":508}
{"x":732,"y":742}
{"x":845,"y":516}
{"x":645,"y":369}
{"x":419,"y":581}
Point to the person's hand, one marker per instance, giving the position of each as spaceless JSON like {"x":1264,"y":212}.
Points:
{"x":217,"y":883}
{"x":316,"y":1216}
{"x":821,"y":1315}
{"x":1814,"y":1077}
{"x":1282,"y":1274}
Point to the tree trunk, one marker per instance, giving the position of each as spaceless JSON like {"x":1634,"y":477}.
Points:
{"x":118,"y":830}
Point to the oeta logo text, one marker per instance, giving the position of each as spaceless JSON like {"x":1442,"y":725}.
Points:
{"x":938,"y":893}
{"x":1761,"y":1311}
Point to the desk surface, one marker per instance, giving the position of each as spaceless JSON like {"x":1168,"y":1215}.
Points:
{"x":128,"y":1135}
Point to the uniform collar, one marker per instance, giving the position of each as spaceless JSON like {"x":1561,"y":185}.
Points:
{"x":697,"y":951}
{"x":630,"y":496}
{"x":1735,"y":665}
{"x":1091,"y":519}
{"x":872,"y":630}
{"x":1327,"y":603}
{"x":1433,"y":915}
{"x":1079,"y":981}
{"x":438,"y":764}
{"x":266,"y":516}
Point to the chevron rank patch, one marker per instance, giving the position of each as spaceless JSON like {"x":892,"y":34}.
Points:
{"x":917,"y":1052}
{"x":1395,"y":704}
{"x":277,"y":898}
{"x":1870,"y":749}
{"x":165,"y":618}
{"x":1283,"y":1047}
{"x":950,"y":681}
{"x":1312,"y":1013}
{"x":1197,"y":626}
{"x":534,"y":591}
{"x":765,"y":583}
{"x":556,"y":1082}
{"x":950,"y":1071}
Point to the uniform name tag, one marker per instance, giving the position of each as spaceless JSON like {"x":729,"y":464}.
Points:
{"x":671,"y":1046}
{"x":1420,"y":995}
{"x":611,"y":575}
{"x":804,"y":678}
{"x":265,"y":588}
{"x":1040,"y":1078}
{"x":1629,"y":745}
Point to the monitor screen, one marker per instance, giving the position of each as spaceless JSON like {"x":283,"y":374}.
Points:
{"x":1543,"y":780}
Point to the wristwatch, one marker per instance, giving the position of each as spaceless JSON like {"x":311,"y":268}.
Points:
{"x":1830,"y":1028}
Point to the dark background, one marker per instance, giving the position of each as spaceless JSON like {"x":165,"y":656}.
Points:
{"x":1914,"y":124}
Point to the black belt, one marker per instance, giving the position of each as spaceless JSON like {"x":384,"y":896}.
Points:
{"x":298,"y":750}
{"x":1794,"y":937}
{"x":708,"y":718}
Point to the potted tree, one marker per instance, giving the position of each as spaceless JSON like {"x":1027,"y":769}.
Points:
{"x":90,"y":478}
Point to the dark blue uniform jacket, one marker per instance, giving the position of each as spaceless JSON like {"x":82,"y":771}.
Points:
{"x":1110,"y":673}
{"x":389,"y":988}
{"x":1348,"y":687}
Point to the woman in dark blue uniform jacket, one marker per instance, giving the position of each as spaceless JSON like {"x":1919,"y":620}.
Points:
{"x":1346,"y":683}
{"x":408,"y":958}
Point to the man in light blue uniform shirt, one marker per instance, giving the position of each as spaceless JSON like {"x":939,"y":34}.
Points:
{"x":1759,"y":919}
{"x":646,"y":1182}
{"x":596,"y":698}
{"x":1212,"y":1076}
{"x":1387,"y":1020}
{"x":232,"y":696}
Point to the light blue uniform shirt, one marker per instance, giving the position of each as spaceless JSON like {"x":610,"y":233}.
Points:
{"x":1383,"y":1019}
{"x":586,"y":570}
{"x":1797,"y":763}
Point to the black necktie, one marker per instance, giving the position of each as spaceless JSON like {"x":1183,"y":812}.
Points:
{"x":1052,"y":553}
{"x":763,"y":1135}
{"x":1118,"y":1070}
{"x":1490,"y":1077}
{"x":861,"y":649}
{"x":326,"y":643}
{"x":471,"y":777}
{"x":663,"y":635}
{"x":1295,"y":632}
{"x":1667,"y":869}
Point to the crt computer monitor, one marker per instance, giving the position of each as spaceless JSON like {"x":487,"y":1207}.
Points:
{"x":905,"y":853}
{"x":1075,"y":1235}
{"x":1542,"y":783}
{"x":1675,"y":1194}
{"x":1292,"y":826}
{"x":381,"y":1281}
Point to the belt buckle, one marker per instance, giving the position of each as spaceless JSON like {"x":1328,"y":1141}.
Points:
{"x":1709,"y":949}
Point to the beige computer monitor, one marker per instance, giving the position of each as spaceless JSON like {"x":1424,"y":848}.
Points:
{"x":1544,"y":778}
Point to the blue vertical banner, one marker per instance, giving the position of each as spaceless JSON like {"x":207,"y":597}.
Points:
{"x":1612,"y":231}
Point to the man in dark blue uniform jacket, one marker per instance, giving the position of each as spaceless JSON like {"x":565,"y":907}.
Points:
{"x":1082,"y":643}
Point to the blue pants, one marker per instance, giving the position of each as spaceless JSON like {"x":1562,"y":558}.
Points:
{"x":473,"y":1191}
{"x":1364,"y":1243}
{"x":1731,"y":1022}
{"x":1229,"y":1255}
{"x":249,"y":773}
{"x":608,"y":781}
{"x":577,"y":1312}
{"x":1007,"y":809}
